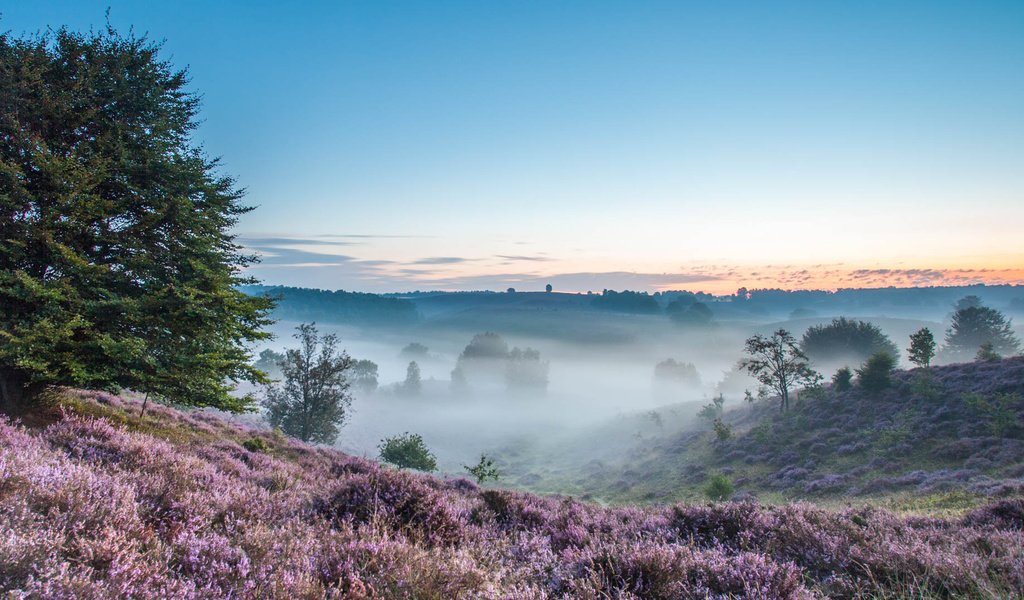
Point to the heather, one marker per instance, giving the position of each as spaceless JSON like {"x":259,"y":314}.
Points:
{"x":96,"y":503}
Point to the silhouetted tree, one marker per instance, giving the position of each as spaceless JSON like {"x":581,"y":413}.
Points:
{"x":671,"y":371}
{"x":270,"y":363}
{"x":778,"y":364}
{"x":526,"y":371}
{"x":842,"y":379}
{"x":412,"y":384}
{"x":922,"y":347}
{"x":364,"y":376}
{"x":876,"y":374}
{"x":987,"y":353}
{"x":974,"y":326}
{"x":415,"y":350}
{"x":548,"y":288}
{"x":118,"y":265}
{"x":845,"y":339}
{"x":313,"y":402}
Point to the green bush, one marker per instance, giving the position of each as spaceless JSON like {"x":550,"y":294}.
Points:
{"x":842,"y":380}
{"x":719,"y":488}
{"x":876,"y":374}
{"x":256,"y":445}
{"x":407,"y":451}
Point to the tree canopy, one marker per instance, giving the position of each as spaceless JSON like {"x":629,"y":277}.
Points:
{"x":778,"y":364}
{"x":845,"y":340}
{"x":118,"y":268}
{"x":973,"y":326}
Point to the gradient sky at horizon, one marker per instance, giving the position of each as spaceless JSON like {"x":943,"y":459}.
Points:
{"x":395,"y":146}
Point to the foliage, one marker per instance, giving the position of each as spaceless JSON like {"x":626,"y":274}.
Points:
{"x":483,"y":470}
{"x":722,"y":430}
{"x":692,"y":314}
{"x":711,"y":412}
{"x":922,"y":347}
{"x":363,"y":376}
{"x":525,"y":370}
{"x":842,"y":380}
{"x":987,"y":353}
{"x":671,"y":371}
{"x":415,"y":350}
{"x":407,"y":451}
{"x":626,"y":301}
{"x":875,"y":375}
{"x":778,"y":364}
{"x":719,"y":488}
{"x":999,"y":410}
{"x":338,"y":306}
{"x":270,"y":363}
{"x":413,"y":385}
{"x":312,"y":405}
{"x":485,"y":345}
{"x":845,"y":339}
{"x":118,"y":265}
{"x":972,"y":326}
{"x":255,"y":444}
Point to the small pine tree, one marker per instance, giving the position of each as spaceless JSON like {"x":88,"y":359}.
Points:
{"x":922,"y":347}
{"x":722,"y":430}
{"x":876,"y":374}
{"x":842,"y":380}
{"x":407,"y":451}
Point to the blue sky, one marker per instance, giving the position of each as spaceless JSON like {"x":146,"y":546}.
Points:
{"x":705,"y":145}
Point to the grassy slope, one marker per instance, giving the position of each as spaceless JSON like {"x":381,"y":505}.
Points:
{"x":929,"y":441}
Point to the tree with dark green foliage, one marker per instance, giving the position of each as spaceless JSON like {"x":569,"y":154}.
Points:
{"x":974,"y":325}
{"x":922,"y":347}
{"x":845,"y":339}
{"x":483,"y":470}
{"x":407,"y":451}
{"x":118,"y":268}
{"x":313,"y":403}
{"x":779,"y":365}
{"x":876,"y":374}
{"x":842,"y":380}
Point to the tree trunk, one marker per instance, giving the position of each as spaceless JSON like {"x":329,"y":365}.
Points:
{"x":14,"y":393}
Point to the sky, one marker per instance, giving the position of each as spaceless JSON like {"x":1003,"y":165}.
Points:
{"x":395,"y":146}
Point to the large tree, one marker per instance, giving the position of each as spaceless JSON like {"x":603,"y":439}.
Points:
{"x":974,"y":326}
{"x":778,"y":364}
{"x":118,"y":268}
{"x":312,"y":404}
{"x":845,"y":341}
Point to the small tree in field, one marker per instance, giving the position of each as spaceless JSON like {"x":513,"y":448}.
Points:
{"x":407,"y":451}
{"x":779,"y":365}
{"x":876,"y":374}
{"x":922,"y":347}
{"x":987,"y":353}
{"x":719,"y":488}
{"x":843,"y":379}
{"x":483,"y":470}
{"x":974,"y":326}
{"x":413,"y":384}
{"x":313,"y":402}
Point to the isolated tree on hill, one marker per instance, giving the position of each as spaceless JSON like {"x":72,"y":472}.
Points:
{"x":842,"y":379}
{"x":922,"y":347}
{"x":548,"y":288}
{"x":987,"y":353}
{"x":778,"y":364}
{"x":974,"y":326}
{"x":118,"y":268}
{"x":313,"y":403}
{"x":845,"y":339}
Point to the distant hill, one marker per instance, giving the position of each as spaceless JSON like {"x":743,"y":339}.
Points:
{"x":338,"y":307}
{"x":95,"y":503}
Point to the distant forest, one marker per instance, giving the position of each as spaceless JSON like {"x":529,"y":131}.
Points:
{"x":305,"y":304}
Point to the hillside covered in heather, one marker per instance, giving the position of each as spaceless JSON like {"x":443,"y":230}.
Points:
{"x":97,"y":503}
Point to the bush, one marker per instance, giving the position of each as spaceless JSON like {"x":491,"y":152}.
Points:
{"x":483,"y":470}
{"x":256,"y":445}
{"x":876,"y":374}
{"x":845,"y":339}
{"x":842,"y":380}
{"x":719,"y":488}
{"x":722,"y":430}
{"x":407,"y":451}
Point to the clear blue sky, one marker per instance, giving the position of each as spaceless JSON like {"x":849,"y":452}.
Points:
{"x":403,"y":145}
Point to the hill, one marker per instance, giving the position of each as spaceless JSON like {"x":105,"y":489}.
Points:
{"x":950,"y":435}
{"x":96,"y":503}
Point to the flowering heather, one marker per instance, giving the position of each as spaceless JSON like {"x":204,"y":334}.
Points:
{"x":98,"y":504}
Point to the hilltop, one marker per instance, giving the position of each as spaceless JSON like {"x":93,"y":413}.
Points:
{"x":97,"y":503}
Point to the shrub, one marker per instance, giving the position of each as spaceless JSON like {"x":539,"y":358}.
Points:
{"x":876,"y":374}
{"x":722,"y":430}
{"x":407,"y":451}
{"x":719,"y":488}
{"x":483,"y":470}
{"x":256,"y":445}
{"x":842,"y":380}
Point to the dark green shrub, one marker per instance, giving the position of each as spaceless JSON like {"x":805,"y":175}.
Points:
{"x":876,"y":374}
{"x":407,"y":451}
{"x":842,"y":380}
{"x":719,"y":488}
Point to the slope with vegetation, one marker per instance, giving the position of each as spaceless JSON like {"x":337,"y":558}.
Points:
{"x":95,"y":502}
